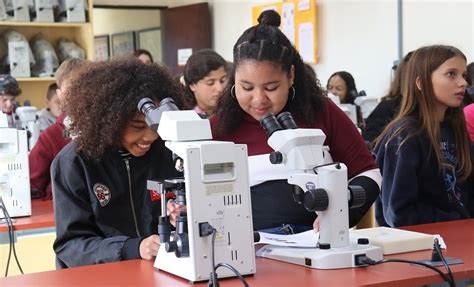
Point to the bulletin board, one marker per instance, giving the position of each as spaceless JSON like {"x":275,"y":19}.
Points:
{"x":299,"y":24}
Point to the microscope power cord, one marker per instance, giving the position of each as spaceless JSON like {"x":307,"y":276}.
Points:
{"x":11,"y":237}
{"x":213,"y":280}
{"x":364,"y":260}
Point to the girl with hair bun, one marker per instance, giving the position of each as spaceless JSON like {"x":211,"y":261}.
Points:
{"x":270,"y":76}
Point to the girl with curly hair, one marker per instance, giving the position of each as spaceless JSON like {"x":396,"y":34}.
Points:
{"x":424,"y":153}
{"x":270,"y":76}
{"x":102,"y":207}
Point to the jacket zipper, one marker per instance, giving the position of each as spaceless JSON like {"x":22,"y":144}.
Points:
{"x":131,"y":197}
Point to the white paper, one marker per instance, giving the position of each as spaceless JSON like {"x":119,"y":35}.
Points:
{"x":288,"y":23}
{"x":303,"y":5}
{"x":303,"y":239}
{"x":183,"y":56}
{"x":306,"y":42}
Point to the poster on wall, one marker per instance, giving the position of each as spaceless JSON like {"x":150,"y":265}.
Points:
{"x":101,"y":48}
{"x":183,"y":55}
{"x":150,"y":40}
{"x":298,"y":23}
{"x":123,"y":43}
{"x":288,"y":21}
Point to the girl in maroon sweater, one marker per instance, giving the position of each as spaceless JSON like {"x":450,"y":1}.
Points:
{"x":52,"y":139}
{"x":270,"y":76}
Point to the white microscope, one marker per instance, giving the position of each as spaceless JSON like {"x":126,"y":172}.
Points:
{"x":27,"y":116}
{"x":215,"y":190}
{"x":322,"y":188}
{"x":14,"y":172}
{"x":349,"y":109}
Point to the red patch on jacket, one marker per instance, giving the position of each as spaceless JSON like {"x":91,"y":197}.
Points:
{"x":155,"y":195}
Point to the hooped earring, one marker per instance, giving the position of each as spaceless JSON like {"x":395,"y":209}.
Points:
{"x":294,"y":92}
{"x":232,"y":91}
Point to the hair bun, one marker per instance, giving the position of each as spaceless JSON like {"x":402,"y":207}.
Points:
{"x":270,"y":18}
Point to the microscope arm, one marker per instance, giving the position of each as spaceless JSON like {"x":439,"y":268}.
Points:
{"x":326,"y":193}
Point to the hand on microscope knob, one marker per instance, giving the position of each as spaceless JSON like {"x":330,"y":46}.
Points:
{"x":149,"y":247}
{"x":316,"y":225}
{"x":173,"y":210}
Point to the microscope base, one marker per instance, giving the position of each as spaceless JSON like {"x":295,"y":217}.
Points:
{"x":198,"y":268}
{"x":334,"y":258}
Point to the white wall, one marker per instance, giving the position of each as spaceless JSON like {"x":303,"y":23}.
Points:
{"x":348,"y":39}
{"x":230,"y":18}
{"x":439,"y":22}
{"x":108,"y":21}
{"x":360,"y":36}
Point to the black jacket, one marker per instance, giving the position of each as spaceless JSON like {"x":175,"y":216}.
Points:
{"x":102,"y":207}
{"x":414,"y":189}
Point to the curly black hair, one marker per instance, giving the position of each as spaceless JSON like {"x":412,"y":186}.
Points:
{"x":103,"y":98}
{"x":266,"y":43}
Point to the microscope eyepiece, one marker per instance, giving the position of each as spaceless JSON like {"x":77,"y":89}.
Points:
{"x":153,"y":113}
{"x":270,"y":123}
{"x":145,"y":105}
{"x":286,"y":120}
{"x":168,"y":104}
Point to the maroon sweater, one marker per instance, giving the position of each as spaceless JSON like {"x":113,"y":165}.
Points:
{"x":272,"y":202}
{"x":50,"y":142}
{"x":344,"y":140}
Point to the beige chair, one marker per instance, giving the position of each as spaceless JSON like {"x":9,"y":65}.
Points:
{"x":368,"y":220}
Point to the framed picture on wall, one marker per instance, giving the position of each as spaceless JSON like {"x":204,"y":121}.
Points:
{"x":150,"y":40}
{"x":123,"y":43}
{"x":101,"y":48}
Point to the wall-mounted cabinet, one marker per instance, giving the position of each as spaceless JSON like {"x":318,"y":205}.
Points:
{"x":34,"y":89}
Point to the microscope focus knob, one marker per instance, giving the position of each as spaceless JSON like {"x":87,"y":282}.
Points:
{"x":171,"y":246}
{"x":276,"y":157}
{"x":316,"y":200}
{"x":358,"y":197}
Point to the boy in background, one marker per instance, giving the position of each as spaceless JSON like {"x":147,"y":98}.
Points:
{"x":9,"y":90}
{"x":51,"y":140}
{"x":48,"y":116}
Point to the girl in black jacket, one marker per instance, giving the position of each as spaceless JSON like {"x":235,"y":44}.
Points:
{"x":103,"y":209}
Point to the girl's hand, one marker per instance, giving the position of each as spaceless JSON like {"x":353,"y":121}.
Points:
{"x":149,"y":247}
{"x":316,"y":225}
{"x":173,"y":210}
